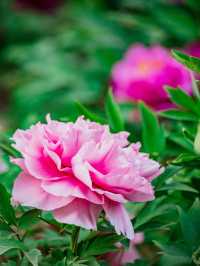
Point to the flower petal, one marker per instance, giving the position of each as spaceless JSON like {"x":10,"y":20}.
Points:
{"x":71,"y":187}
{"x":119,"y":218}
{"x":27,"y":191}
{"x":79,"y":212}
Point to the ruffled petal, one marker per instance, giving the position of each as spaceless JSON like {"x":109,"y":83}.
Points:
{"x":119,"y":218}
{"x":71,"y":187}
{"x":27,"y":191}
{"x":141,"y":192}
{"x":79,"y":212}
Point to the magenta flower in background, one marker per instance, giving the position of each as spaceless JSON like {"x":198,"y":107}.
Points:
{"x":193,"y":49}
{"x":76,"y":170}
{"x":143,"y":73}
{"x":122,"y":256}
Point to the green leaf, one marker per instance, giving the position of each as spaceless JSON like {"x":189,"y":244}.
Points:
{"x":187,"y":159}
{"x":87,"y":114}
{"x":175,"y":260}
{"x":168,"y":173}
{"x":190,"y":62}
{"x":180,"y":140}
{"x":176,"y":254}
{"x":10,"y":263}
{"x":4,"y":227}
{"x":113,"y":113}
{"x":101,"y":245}
{"x":152,"y":134}
{"x":28,"y":219}
{"x":33,"y":256}
{"x":6,"y":210}
{"x":8,"y":244}
{"x":188,"y":230}
{"x":177,"y":187}
{"x":179,"y":115}
{"x":182,"y":99}
{"x":150,"y":211}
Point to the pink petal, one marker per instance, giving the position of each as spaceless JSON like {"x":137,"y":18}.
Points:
{"x":119,"y":218}
{"x":141,"y":193}
{"x":28,"y":192}
{"x":79,"y":212}
{"x":42,"y":167}
{"x":80,"y":166}
{"x":71,"y":187}
{"x":129,"y":256}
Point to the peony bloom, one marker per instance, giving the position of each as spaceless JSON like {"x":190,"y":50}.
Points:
{"x":122,"y":256}
{"x":76,"y":170}
{"x":143,"y":73}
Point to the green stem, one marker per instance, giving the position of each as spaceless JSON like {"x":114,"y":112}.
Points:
{"x":74,"y":237}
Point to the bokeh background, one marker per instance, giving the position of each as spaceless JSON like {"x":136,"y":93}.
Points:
{"x":58,"y":55}
{"x":54,"y":53}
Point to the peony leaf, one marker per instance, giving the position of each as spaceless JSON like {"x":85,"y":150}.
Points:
{"x":179,"y":115}
{"x":188,"y":230}
{"x":190,"y":62}
{"x":33,"y":256}
{"x":152,"y":134}
{"x":87,"y":114}
{"x":101,"y":245}
{"x":6,"y":210}
{"x":8,"y":244}
{"x":28,"y":219}
{"x":180,"y":98}
{"x":176,"y":186}
{"x":113,"y":113}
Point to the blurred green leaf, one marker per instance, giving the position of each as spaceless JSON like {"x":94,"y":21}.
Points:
{"x":182,"y":99}
{"x":33,"y":256}
{"x":150,"y":211}
{"x":187,"y":159}
{"x":175,"y":186}
{"x":6,"y":210}
{"x":190,"y":62}
{"x":153,"y":137}
{"x":113,"y":113}
{"x":93,"y":117}
{"x":8,"y":244}
{"x":101,"y":245}
{"x":179,"y":115}
{"x":168,"y":173}
{"x":172,"y":18}
{"x":175,"y":254}
{"x":28,"y":219}
{"x":188,"y":230}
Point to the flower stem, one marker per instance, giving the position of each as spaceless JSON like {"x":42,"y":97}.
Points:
{"x":74,"y":237}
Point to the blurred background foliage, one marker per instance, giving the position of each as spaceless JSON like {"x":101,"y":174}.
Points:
{"x":54,"y":53}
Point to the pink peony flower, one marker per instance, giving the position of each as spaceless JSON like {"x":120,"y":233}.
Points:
{"x":143,"y":73}
{"x":122,"y":256}
{"x":76,"y":170}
